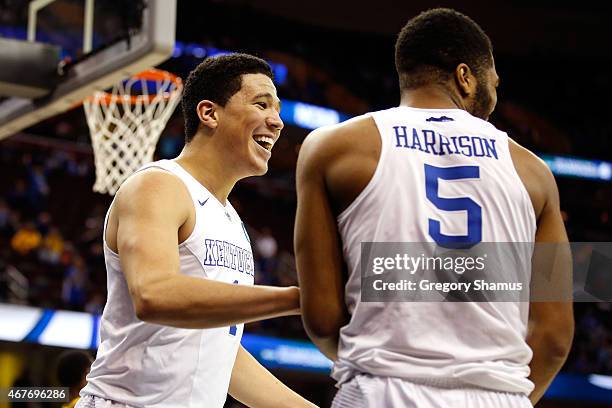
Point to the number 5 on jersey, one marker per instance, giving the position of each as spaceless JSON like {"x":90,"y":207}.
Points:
{"x":474,"y":212}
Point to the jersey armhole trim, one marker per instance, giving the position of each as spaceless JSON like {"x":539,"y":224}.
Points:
{"x":377,"y":174}
{"x":531,"y":209}
{"x":106,"y":219}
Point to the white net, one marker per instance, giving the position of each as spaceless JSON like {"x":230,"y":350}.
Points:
{"x":126,"y":122}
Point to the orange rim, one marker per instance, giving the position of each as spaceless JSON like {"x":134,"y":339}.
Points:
{"x":148,"y":75}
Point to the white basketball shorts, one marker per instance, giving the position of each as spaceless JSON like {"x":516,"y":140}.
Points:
{"x":90,"y":401}
{"x":364,"y":391}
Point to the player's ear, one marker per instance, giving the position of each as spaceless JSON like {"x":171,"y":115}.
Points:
{"x":465,"y":80}
{"x":207,"y":112}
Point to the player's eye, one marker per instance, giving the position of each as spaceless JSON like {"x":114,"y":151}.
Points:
{"x":262,"y":104}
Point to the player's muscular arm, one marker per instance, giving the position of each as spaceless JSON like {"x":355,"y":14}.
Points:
{"x":551,"y":324}
{"x":256,"y":387}
{"x":150,"y":209}
{"x":317,"y":246}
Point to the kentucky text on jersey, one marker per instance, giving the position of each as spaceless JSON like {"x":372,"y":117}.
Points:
{"x":221,"y":253}
{"x":428,"y":141}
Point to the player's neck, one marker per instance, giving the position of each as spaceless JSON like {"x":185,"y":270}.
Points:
{"x":204,"y":165}
{"x":431,"y":97}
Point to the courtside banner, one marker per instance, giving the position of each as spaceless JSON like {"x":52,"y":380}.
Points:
{"x":460,"y":271}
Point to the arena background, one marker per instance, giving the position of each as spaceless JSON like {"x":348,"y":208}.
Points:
{"x":332,"y":60}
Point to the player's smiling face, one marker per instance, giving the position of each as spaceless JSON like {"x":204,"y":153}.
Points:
{"x":252,"y":123}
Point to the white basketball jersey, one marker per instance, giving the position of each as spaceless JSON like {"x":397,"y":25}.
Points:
{"x":148,"y":365}
{"x":463,"y":157}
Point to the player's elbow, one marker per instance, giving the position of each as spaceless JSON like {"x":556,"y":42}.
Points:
{"x":323,"y":316}
{"x":320,"y":330}
{"x":324,"y":333}
{"x":322,"y":326}
{"x":557,"y":337}
{"x":146,"y":307}
{"x":551,"y":328}
{"x":561,"y":341}
{"x":557,"y":345}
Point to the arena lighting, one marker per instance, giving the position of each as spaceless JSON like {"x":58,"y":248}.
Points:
{"x":576,"y":387}
{"x":602,"y":381}
{"x":290,"y":354}
{"x":309,"y":116}
{"x":576,"y":167}
{"x":200,"y":51}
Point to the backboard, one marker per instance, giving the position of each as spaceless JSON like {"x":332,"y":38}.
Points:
{"x":77,"y":47}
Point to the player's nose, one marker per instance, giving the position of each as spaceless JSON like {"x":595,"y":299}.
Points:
{"x":274,"y":121}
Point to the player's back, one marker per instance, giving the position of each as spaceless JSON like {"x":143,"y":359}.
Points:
{"x":447,"y":177}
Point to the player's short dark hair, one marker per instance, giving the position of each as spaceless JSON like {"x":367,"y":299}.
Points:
{"x":217,"y":79}
{"x":72,"y":366}
{"x":431,"y":46}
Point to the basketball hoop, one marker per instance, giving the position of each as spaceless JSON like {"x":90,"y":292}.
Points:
{"x":125,"y":124}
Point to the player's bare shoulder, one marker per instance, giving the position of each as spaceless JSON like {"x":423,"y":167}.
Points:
{"x":535,"y":175}
{"x":154,"y":184}
{"x":150,"y":193}
{"x":353,"y":136}
{"x":343,"y":156}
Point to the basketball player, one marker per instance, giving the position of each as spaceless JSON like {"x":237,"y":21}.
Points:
{"x":365,"y":181}
{"x":179,"y":260}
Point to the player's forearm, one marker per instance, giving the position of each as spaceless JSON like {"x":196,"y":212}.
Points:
{"x":189,"y":302}
{"x":255,"y":386}
{"x":550,"y":350}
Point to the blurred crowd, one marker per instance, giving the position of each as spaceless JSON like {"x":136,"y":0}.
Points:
{"x":47,"y":262}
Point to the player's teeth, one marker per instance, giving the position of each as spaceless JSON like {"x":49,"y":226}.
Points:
{"x":264,"y":139}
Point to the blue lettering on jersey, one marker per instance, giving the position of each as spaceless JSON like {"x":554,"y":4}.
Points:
{"x":209,"y":259}
{"x":240,"y":257}
{"x":445,"y":145}
{"x":226,"y":251}
{"x":428,"y":141}
{"x":221,"y":254}
{"x":228,"y":255}
{"x":464,"y":143}
{"x":454,"y":139}
{"x":490,"y":148}
{"x":478,"y":146}
{"x":416,"y":141}
{"x":400,"y":134}
{"x":234,"y":252}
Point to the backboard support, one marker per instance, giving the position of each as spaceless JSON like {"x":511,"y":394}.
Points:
{"x":40,"y":76}
{"x":98,"y":70}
